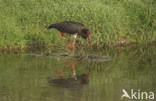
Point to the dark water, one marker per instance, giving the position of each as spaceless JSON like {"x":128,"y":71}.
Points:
{"x":43,"y":78}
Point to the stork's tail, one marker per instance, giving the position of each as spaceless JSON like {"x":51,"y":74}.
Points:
{"x":51,"y":26}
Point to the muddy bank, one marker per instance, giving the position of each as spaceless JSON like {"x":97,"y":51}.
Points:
{"x":51,"y":47}
{"x":78,"y":57}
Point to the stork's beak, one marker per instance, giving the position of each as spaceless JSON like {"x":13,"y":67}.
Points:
{"x":88,"y":35}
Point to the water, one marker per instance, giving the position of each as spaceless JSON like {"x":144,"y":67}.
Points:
{"x":43,"y":78}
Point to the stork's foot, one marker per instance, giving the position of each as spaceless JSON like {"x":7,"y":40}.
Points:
{"x":69,"y":46}
{"x":59,"y":75}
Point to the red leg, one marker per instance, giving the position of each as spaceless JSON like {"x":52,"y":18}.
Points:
{"x":73,"y":47}
{"x":74,"y":71}
{"x":59,"y":75}
{"x":59,"y":36}
{"x":68,"y":44}
{"x":87,"y":78}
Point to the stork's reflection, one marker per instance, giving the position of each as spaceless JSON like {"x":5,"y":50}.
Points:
{"x":73,"y":81}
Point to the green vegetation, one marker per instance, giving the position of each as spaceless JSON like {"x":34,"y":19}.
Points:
{"x":25,"y":22}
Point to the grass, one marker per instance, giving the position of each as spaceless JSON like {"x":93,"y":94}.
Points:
{"x":24,"y":22}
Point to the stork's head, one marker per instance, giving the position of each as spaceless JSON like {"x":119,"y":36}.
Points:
{"x":85,"y":33}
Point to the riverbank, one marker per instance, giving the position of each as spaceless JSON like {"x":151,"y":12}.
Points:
{"x":23,"y":23}
{"x":49,"y":48}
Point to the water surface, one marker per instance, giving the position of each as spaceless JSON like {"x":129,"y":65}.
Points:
{"x":43,"y":78}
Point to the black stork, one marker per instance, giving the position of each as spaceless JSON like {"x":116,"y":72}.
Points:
{"x":73,"y":28}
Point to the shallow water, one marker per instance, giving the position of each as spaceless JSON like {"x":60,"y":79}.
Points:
{"x":45,"y":78}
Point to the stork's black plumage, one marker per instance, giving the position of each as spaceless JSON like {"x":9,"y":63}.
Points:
{"x":71,"y":27}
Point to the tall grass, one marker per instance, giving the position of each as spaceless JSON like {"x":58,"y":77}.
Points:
{"x":26,"y":21}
